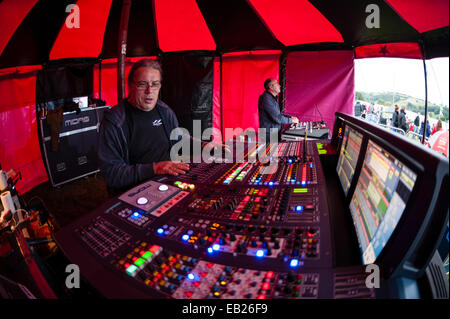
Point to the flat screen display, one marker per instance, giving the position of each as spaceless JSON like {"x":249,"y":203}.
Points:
{"x":383,"y":189}
{"x":348,"y":157}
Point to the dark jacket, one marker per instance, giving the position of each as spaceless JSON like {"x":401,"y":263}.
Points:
{"x":427,"y":131}
{"x":402,"y":121}
{"x":269,"y":113}
{"x":395,"y":119}
{"x":113,"y":150}
{"x":417,"y":121}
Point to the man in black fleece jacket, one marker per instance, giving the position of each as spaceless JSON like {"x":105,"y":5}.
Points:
{"x":134,"y":138}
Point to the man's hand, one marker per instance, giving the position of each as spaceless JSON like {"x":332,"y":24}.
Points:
{"x":294,"y":119}
{"x":170,"y":168}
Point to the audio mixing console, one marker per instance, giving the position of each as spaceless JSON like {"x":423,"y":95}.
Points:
{"x":222,"y":230}
{"x":250,"y":227}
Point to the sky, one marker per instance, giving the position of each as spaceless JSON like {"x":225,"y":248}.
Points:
{"x":404,"y":76}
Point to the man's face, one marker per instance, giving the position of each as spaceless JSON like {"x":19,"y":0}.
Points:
{"x":145,"y":89}
{"x":275,"y":87}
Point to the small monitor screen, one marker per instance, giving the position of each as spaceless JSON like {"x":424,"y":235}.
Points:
{"x":81,"y":101}
{"x":348,"y":157}
{"x":381,"y":194}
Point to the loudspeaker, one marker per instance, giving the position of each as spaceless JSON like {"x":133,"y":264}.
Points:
{"x":76,"y":154}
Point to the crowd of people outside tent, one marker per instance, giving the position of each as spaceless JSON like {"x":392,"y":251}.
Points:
{"x":399,"y":120}
{"x":406,"y":123}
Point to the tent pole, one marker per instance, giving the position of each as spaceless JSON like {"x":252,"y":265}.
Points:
{"x":422,"y":46}
{"x":282,"y":72}
{"x":221,"y":99}
{"x":100,"y":80}
{"x":122,"y":49}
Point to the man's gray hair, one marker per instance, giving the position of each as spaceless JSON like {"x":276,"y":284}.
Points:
{"x":144,"y":63}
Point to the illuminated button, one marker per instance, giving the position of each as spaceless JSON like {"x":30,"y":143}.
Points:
{"x":259,"y":253}
{"x":155,"y":249}
{"x":216,"y":247}
{"x":269,"y":274}
{"x":139,"y":262}
{"x":129,"y":256}
{"x":266,"y":286}
{"x":299,"y":208}
{"x":135,"y":215}
{"x":189,"y":294}
{"x":163,"y":188}
{"x":144,"y":244}
{"x":223,"y":283}
{"x":160,"y":231}
{"x":134,"y":259}
{"x":185,"y":237}
{"x":121,"y":262}
{"x":131,"y":270}
{"x":293,"y":263}
{"x":142,"y":200}
{"x":217,"y":294}
{"x":261,"y":296}
{"x":203,"y":274}
{"x":147,"y":255}
{"x":141,"y":252}
{"x":196,"y":284}
{"x":191,"y":276}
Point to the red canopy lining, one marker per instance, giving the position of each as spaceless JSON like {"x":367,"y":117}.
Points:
{"x":181,"y":27}
{"x":87,"y":40}
{"x":296,"y":22}
{"x":423,"y":15}
{"x":12,"y":13}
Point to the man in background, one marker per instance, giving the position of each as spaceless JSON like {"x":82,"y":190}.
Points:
{"x":270,"y":116}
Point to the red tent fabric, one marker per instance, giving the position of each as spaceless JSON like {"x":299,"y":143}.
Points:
{"x":319,"y":83}
{"x":289,"y":21}
{"x":423,"y":15}
{"x":19,"y":144}
{"x":177,"y":22}
{"x":243,"y":83}
{"x":87,"y":40}
{"x":12,"y":13}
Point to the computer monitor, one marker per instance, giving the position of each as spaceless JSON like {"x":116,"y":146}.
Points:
{"x":348,"y":157}
{"x":380,"y":197}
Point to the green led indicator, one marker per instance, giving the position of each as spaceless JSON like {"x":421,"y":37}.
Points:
{"x":322,"y":152}
{"x":177,"y":183}
{"x":300,"y":190}
{"x":147,"y":255}
{"x":139,"y":262}
{"x":130,"y":270}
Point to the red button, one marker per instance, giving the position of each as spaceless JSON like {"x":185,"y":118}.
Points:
{"x":266,"y":286}
{"x":196,"y":284}
{"x":269,"y":274}
{"x":210,"y":265}
{"x":261,"y":296}
{"x":189,"y":294}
